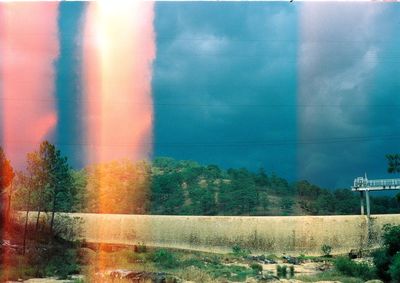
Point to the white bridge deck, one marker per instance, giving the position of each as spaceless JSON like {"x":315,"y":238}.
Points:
{"x":364,"y":186}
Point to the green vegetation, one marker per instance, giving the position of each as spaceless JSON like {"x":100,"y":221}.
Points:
{"x":326,"y":250}
{"x":257,"y":268}
{"x":165,"y":258}
{"x":167,"y":186}
{"x":331,"y":275}
{"x":238,"y":251}
{"x":43,"y":248}
{"x":387,"y":259}
{"x":355,"y":269}
{"x":281,"y":270}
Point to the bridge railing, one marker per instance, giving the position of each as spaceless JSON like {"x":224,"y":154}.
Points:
{"x":362,"y":183}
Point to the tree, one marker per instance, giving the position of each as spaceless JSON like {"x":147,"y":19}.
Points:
{"x":393,"y":163}
{"x":261,"y":178}
{"x":393,"y":166}
{"x":6,"y":177}
{"x":6,"y":171}
{"x":118,"y":187}
{"x":167,"y":195}
{"x":51,"y":180}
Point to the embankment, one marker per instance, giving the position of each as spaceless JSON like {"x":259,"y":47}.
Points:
{"x":289,"y":234}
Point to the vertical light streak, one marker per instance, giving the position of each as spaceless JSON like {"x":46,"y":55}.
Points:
{"x":118,"y":50}
{"x":28,"y":49}
{"x":337,"y":61}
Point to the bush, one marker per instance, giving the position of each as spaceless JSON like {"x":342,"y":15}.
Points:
{"x":350,"y":268}
{"x":387,"y":260}
{"x":257,"y":268}
{"x":391,"y":238}
{"x":394,"y":269}
{"x":62,"y":265}
{"x":326,"y":250}
{"x":240,"y":252}
{"x":382,"y":261}
{"x":291,"y":270}
{"x":140,"y":248}
{"x":281,"y":270}
{"x":165,"y":259}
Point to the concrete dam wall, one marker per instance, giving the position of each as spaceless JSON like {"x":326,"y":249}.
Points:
{"x":289,"y":234}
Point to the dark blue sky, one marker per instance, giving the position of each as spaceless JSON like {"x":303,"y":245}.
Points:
{"x":309,"y":91}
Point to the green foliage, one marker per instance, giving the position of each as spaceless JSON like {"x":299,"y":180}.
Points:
{"x":394,"y":269}
{"x":350,"y":268}
{"x":232,"y":272}
{"x":281,"y":270}
{"x":238,"y":251}
{"x":173,"y":187}
{"x":382,"y":261}
{"x":62,"y":265}
{"x":393,"y":163}
{"x":387,"y":259}
{"x":257,"y":268}
{"x":326,"y":250}
{"x":165,"y":259}
{"x":286,"y":204}
{"x":50,"y":179}
{"x":330,"y":275}
{"x":391,"y":238}
{"x":291,"y":270}
{"x":140,"y":248}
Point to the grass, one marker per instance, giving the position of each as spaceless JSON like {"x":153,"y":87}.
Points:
{"x":188,"y":265}
{"x":329,"y":276}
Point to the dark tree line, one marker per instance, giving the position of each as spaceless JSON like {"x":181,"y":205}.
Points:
{"x":168,"y":186}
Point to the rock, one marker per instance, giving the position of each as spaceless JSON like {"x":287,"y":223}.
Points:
{"x":291,"y":260}
{"x":374,"y":281}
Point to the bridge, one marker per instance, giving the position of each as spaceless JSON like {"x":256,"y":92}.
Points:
{"x":364,"y":186}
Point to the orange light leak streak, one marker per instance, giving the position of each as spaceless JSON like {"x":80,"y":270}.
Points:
{"x":28,"y":47}
{"x":118,"y":51}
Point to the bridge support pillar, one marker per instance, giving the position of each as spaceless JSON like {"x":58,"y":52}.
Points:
{"x":362,"y":202}
{"x":367,"y":202}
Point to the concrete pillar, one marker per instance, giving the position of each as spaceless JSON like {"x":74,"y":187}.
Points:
{"x":367,"y":202}
{"x":362,"y":202}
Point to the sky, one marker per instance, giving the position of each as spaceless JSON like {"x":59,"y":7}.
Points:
{"x":305,"y":90}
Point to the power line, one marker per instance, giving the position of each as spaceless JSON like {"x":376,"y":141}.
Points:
{"x":261,"y":143}
{"x":184,"y":104}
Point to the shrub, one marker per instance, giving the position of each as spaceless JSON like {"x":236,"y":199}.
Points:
{"x":382,"y":262}
{"x":281,"y":270}
{"x":326,"y":250}
{"x":291,"y":271}
{"x":391,"y":238}
{"x":240,"y":252}
{"x":386,"y":260}
{"x":350,"y":268}
{"x":165,"y":259}
{"x":394,"y":269}
{"x":257,"y":268}
{"x":140,"y":248}
{"x":62,"y":265}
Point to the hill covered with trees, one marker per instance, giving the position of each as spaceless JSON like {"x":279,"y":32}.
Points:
{"x":174,"y":187}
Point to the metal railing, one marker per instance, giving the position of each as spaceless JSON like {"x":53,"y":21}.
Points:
{"x":364,"y":186}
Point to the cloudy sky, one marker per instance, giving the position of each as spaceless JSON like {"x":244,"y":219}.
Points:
{"x":306,"y":90}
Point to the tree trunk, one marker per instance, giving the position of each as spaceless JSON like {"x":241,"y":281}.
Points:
{"x":37,"y":219}
{"x":26,"y":220}
{"x":52,"y":213}
{"x":8,"y":212}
